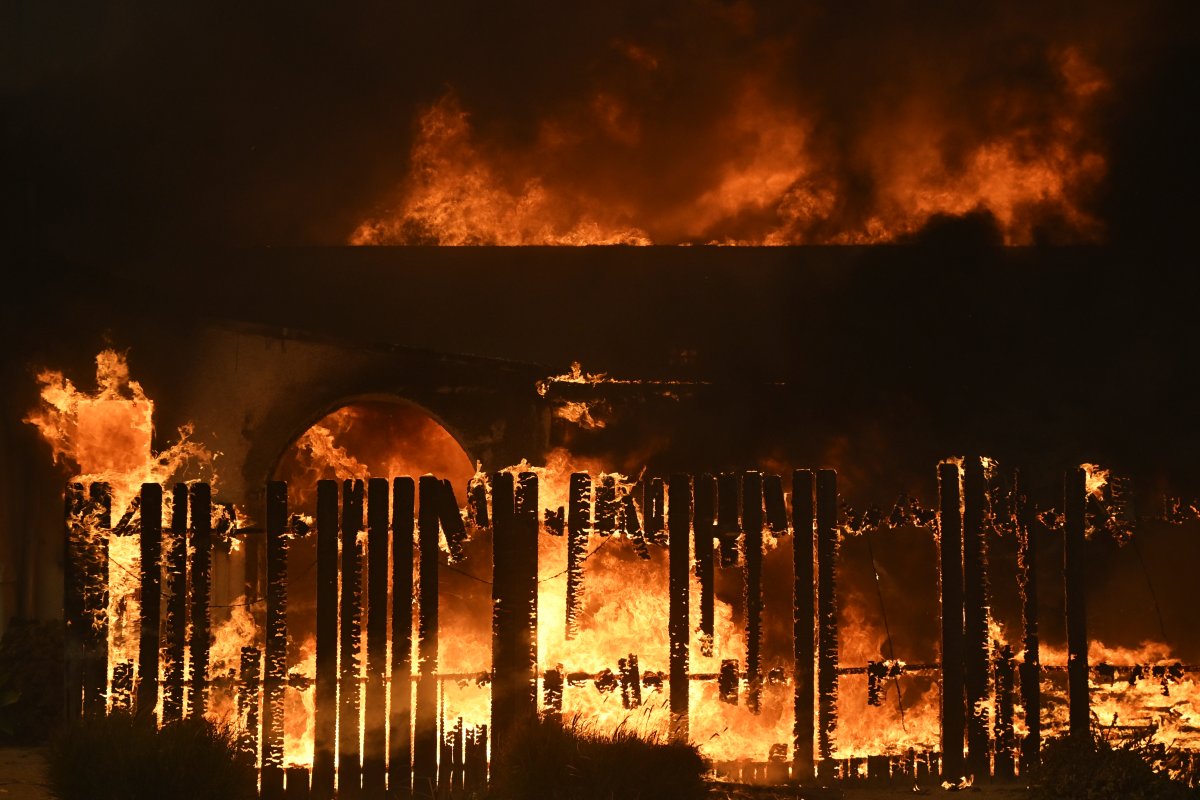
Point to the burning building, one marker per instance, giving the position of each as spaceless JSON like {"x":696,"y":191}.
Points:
{"x":731,"y":495}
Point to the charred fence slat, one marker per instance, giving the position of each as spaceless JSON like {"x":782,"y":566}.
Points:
{"x":74,"y":602}
{"x":175,"y":624}
{"x":425,"y":738}
{"x":1005,"y":736}
{"x":579,"y":510}
{"x":706,"y":511}
{"x":632,"y":527}
{"x":827,"y":642}
{"x":803,"y":617}
{"x":275,"y":679}
{"x":679,"y":524}
{"x":400,"y":686}
{"x":1030,"y":668}
{"x":200,"y":497}
{"x":552,"y":692}
{"x":121,"y":698}
{"x":249,"y":672}
{"x":950,"y":563}
{"x":606,"y":505}
{"x":655,"y":515}
{"x":374,"y":700}
{"x":349,"y":779}
{"x":151,"y":599}
{"x":773,"y":504}
{"x":752,"y":526}
{"x":95,"y":631}
{"x":977,"y":639}
{"x":728,"y":517}
{"x":1075,"y":508}
{"x":325,"y":701}
{"x":451,"y":520}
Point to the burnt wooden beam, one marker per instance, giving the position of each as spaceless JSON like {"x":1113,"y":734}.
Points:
{"x":514,"y":595}
{"x":75,"y":621}
{"x":275,"y":679}
{"x":752,"y":527}
{"x":729,"y":681}
{"x":1005,"y":735}
{"x":150,"y":543}
{"x":579,"y":511}
{"x":200,"y":500}
{"x":451,"y":521}
{"x":679,"y":527}
{"x":706,"y":512}
{"x":632,"y":527}
{"x":400,"y":686}
{"x":298,"y":783}
{"x":950,"y":563}
{"x":1074,"y":572}
{"x":552,"y":692}
{"x":374,"y":699}
{"x":655,"y":496}
{"x":631,"y":681}
{"x":803,"y":623}
{"x":349,"y":779}
{"x":249,"y":673}
{"x":776,"y":509}
{"x":827,"y":621}
{"x":976,"y":636}
{"x":325,"y":699}
{"x":606,"y":506}
{"x":95,"y":638}
{"x":1030,"y":668}
{"x":121,"y":698}
{"x":175,"y":623}
{"x":425,"y":738}
{"x":728,"y":517}
{"x":477,"y":505}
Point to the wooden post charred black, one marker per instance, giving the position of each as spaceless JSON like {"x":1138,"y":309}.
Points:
{"x":606,"y":505}
{"x":451,"y":521}
{"x":249,"y":673}
{"x":976,"y":636}
{"x":552,"y":692}
{"x":1005,"y":735}
{"x":122,"y":687}
{"x":579,"y":512}
{"x":679,"y":526}
{"x":827,"y":631}
{"x":776,"y":509}
{"x":656,"y":530}
{"x":400,"y":686}
{"x":425,"y":737}
{"x":953,"y":712}
{"x":631,"y":681}
{"x":95,"y":632}
{"x":1030,"y":668}
{"x":628,"y":522}
{"x":477,"y":507}
{"x":298,"y":787}
{"x":200,"y":498}
{"x":151,"y":599}
{"x":325,"y":700}
{"x":458,"y":780}
{"x":275,"y":679}
{"x":74,"y":587}
{"x":728,"y":517}
{"x":1075,"y":506}
{"x":514,"y":604}
{"x":729,"y":681}
{"x":374,"y":699}
{"x":803,"y":623}
{"x":705,"y":490}
{"x":175,"y":623}
{"x":752,"y":527}
{"x":349,"y":779}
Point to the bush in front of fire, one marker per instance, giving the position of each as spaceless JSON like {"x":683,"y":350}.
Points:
{"x":553,"y":760}
{"x":1098,"y":769}
{"x":121,"y":757}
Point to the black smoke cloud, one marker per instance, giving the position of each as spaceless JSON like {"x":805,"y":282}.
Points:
{"x":143,"y":124}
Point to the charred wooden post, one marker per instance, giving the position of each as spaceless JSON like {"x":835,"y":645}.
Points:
{"x":400,"y":686}
{"x":458,"y":779}
{"x":752,"y":527}
{"x":349,"y":779}
{"x":1075,"y":506}
{"x":275,"y":680}
{"x":476,"y":760}
{"x":151,"y":599}
{"x":1030,"y":669}
{"x":976,"y":637}
{"x":953,"y":712}
{"x":95,"y":636}
{"x":803,"y":623}
{"x":632,"y":528}
{"x":200,"y":497}
{"x":477,"y":506}
{"x":248,"y":681}
{"x":728,"y":681}
{"x":679,"y":526}
{"x":74,"y":588}
{"x":451,"y":521}
{"x":728,"y":517}
{"x":552,"y":692}
{"x":579,"y":511}
{"x":425,"y":738}
{"x":656,"y":529}
{"x":776,"y":509}
{"x":297,"y":784}
{"x":374,"y":699}
{"x":175,"y":624}
{"x":827,"y":631}
{"x":606,"y":506}
{"x":122,"y":687}
{"x":325,"y":700}
{"x":445,"y":777}
{"x":631,"y":681}
{"x":705,"y":490}
{"x":1005,"y":735}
